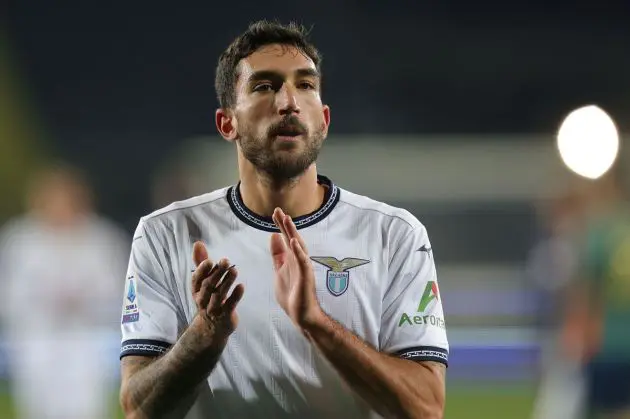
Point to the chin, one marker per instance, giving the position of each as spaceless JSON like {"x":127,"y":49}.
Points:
{"x":286,"y":169}
{"x":288,"y":146}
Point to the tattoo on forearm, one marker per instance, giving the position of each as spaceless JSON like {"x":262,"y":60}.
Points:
{"x":158,"y":387}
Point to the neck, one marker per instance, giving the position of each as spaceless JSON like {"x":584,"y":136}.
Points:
{"x":297,"y":197}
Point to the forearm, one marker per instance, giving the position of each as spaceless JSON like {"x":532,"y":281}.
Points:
{"x":582,"y":323}
{"x":393,"y":387}
{"x":166,"y":384}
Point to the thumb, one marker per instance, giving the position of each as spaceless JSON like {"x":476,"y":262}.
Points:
{"x":278,"y":250}
{"x":199,"y":253}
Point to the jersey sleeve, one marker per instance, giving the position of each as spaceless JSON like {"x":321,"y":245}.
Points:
{"x":412,"y":323}
{"x":150,"y":324}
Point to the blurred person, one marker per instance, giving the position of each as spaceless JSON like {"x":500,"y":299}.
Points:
{"x":342,"y":315}
{"x":550,"y":269}
{"x":61,"y":268}
{"x":597,"y":328}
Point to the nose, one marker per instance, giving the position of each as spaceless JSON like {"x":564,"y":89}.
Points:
{"x":287,"y":101}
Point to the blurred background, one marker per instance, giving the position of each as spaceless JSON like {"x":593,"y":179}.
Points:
{"x":450,"y":109}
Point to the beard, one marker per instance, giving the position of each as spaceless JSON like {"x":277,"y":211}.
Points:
{"x":279,"y":162}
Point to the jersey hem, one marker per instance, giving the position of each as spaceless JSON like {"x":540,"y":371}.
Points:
{"x":424,"y":353}
{"x":144,"y":347}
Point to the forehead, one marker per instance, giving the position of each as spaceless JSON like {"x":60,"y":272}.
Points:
{"x":284,"y":59}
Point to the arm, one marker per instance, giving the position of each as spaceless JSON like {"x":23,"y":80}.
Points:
{"x":412,"y":325}
{"x":153,"y":386}
{"x":581,"y":323}
{"x":394,"y":387}
{"x":160,"y":372}
{"x":581,"y":329}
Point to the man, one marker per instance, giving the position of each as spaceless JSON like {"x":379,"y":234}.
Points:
{"x":61,"y":266}
{"x":598,"y":312}
{"x":551,"y":267}
{"x":339,"y":313}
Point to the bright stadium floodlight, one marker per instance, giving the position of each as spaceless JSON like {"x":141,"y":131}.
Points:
{"x":588,"y":141}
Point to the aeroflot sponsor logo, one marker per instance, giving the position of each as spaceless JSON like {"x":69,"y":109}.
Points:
{"x":412,"y":320}
{"x":431,"y":294}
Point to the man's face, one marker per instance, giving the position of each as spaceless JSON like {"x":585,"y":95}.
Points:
{"x":279,"y":117}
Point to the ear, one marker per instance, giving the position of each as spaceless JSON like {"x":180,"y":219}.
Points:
{"x":226,"y":124}
{"x":326,"y":111}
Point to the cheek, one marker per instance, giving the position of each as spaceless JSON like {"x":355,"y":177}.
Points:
{"x":247,"y":117}
{"x":315,"y":110}
{"x":258,"y":110}
{"x":317,"y":119}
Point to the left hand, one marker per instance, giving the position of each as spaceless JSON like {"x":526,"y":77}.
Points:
{"x":294,"y":281}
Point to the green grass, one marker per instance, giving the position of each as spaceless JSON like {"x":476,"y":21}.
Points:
{"x":489,"y":402}
{"x":7,"y":410}
{"x":463,"y":402}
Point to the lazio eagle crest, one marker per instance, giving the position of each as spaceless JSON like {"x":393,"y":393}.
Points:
{"x":338,"y":277}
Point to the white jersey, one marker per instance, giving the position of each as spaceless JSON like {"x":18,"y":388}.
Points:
{"x":61,"y":280}
{"x":59,"y":294}
{"x":374,"y":274}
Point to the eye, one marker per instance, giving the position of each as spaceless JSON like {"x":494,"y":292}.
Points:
{"x":306,"y":85}
{"x":263,"y":87}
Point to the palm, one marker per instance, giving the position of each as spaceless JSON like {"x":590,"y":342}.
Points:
{"x":289,"y":285}
{"x":229,"y":320}
{"x":211,"y":283}
{"x":294,"y":281}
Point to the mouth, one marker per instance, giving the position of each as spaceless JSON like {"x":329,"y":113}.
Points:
{"x":289,"y":135}
{"x":284,"y":141}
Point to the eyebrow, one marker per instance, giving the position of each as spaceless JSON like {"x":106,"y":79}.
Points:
{"x":274,"y":75}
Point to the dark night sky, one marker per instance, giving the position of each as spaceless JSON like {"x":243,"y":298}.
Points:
{"x":121,"y":83}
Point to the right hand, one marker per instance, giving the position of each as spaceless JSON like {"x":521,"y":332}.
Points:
{"x":216,"y":311}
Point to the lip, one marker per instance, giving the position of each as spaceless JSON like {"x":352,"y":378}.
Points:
{"x":288,"y":138}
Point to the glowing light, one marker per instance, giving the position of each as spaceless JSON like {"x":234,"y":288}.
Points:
{"x":588,"y":141}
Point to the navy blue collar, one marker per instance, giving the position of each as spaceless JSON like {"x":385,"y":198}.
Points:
{"x":266,"y":223}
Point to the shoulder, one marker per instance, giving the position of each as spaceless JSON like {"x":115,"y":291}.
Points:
{"x":180,"y":208}
{"x":172,"y":214}
{"x":604,"y":233}
{"x":16,"y":228}
{"x":389,"y":216}
{"x":395,"y":226}
{"x":107,"y":230}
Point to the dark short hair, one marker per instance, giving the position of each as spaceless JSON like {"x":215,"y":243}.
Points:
{"x":258,"y":35}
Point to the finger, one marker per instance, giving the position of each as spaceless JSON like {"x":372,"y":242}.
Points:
{"x":234,"y":298}
{"x":292,"y":232}
{"x":218,"y":297}
{"x":278,"y":219}
{"x":199,"y":274}
{"x":278,"y":250}
{"x":203,"y":265}
{"x":207,"y":287}
{"x":278,"y":214}
{"x":199,"y":253}
{"x":210,"y":283}
{"x":300,"y":254}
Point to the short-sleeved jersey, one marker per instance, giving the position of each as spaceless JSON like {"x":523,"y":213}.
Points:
{"x":606,"y":265}
{"x":374,"y":272}
{"x":70,"y":278}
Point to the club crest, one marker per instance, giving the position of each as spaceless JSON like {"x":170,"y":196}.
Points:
{"x":338,"y":275}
